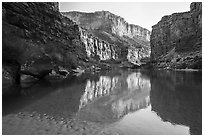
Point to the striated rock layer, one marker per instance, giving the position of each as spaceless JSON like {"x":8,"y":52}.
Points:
{"x":97,"y":48}
{"x":131,"y":41}
{"x":36,"y":39}
{"x":111,"y":23}
{"x":176,"y":40}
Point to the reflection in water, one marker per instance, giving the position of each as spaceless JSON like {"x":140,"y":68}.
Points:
{"x":58,"y":99}
{"x":122,"y":107}
{"x":122,"y":94}
{"x":177,"y":98}
{"x":98,"y":89}
{"x":137,"y":82}
{"x":157,"y":102}
{"x":176,"y":106}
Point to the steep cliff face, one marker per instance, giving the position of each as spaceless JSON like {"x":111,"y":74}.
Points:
{"x":136,"y":55}
{"x":176,"y":40}
{"x":110,"y":23}
{"x":97,"y":48}
{"x":115,"y":31}
{"x":36,"y":39}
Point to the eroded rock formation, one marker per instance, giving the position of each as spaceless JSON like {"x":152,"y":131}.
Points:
{"x":176,"y":40}
{"x":111,"y":23}
{"x":37,"y":38}
{"x":97,"y":48}
{"x":130,"y":41}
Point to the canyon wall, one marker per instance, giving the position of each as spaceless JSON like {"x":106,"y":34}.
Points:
{"x":107,"y":21}
{"x":36,"y":39}
{"x":137,"y":55}
{"x":116,"y":32}
{"x":97,"y":48}
{"x":176,"y":40}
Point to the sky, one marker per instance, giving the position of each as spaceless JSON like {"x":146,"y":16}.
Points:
{"x":144,"y":14}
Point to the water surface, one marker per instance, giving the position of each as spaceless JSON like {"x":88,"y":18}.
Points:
{"x":123,"y":102}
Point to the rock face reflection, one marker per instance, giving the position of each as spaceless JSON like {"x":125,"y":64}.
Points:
{"x":57,"y":99}
{"x":110,"y":98}
{"x":177,"y":98}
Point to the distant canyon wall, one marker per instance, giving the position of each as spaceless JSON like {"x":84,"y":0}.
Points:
{"x":109,"y":36}
{"x":120,"y":27}
{"x":97,"y":48}
{"x":135,"y":55}
{"x":102,"y":50}
{"x":109,"y":22}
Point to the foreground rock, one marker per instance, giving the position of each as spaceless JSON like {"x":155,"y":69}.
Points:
{"x":38,"y":41}
{"x":176,"y":40}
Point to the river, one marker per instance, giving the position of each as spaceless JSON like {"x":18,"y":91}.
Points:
{"x":119,"y":102}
